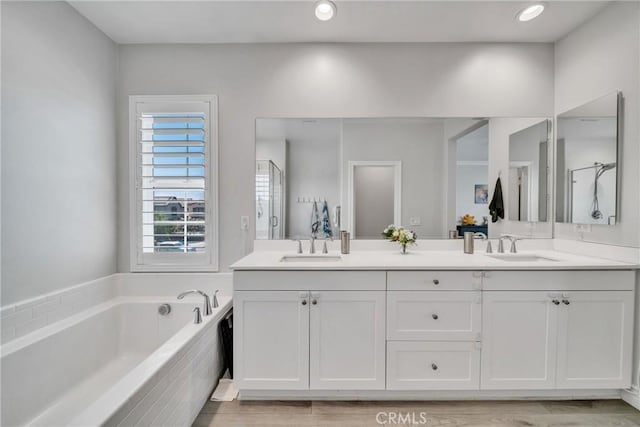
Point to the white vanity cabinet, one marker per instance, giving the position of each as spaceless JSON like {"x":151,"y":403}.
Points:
{"x":347,"y":340}
{"x":271,"y":340}
{"x":557,"y":339}
{"x":595,"y":338}
{"x":434,"y":325}
{"x":331,"y":333}
{"x":318,"y":339}
{"x":519,"y":340}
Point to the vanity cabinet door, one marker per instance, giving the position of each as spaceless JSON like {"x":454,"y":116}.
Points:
{"x":347,"y":340}
{"x":271,"y":340}
{"x":595,"y":340}
{"x":519,"y":340}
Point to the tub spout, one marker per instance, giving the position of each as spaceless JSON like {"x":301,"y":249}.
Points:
{"x":207,"y":302}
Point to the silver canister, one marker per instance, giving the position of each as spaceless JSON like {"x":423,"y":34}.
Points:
{"x":468,"y":242}
{"x":453,"y":234}
{"x":345,"y":241}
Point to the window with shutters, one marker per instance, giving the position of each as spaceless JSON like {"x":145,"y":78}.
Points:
{"x":174,"y":153}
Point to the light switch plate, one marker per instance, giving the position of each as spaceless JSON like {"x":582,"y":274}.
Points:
{"x":244,"y":222}
{"x":582,"y":228}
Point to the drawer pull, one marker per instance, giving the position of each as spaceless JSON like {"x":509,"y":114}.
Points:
{"x":436,"y":281}
{"x":566,"y":302}
{"x":434,"y":316}
{"x":314,"y":301}
{"x":304,"y":302}
{"x":434,"y":366}
{"x":555,"y":301}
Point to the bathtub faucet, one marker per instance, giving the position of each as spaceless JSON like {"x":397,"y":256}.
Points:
{"x":207,"y":302}
{"x":215,"y":299}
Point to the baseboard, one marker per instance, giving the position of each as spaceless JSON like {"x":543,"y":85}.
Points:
{"x":632,"y":397}
{"x":429,"y":395}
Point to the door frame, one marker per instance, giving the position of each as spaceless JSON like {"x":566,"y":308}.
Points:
{"x":397,"y":189}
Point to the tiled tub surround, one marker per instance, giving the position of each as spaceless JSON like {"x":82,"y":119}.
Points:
{"x":116,"y":361}
{"x":26,"y":316}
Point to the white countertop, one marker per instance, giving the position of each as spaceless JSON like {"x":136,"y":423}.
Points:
{"x":428,"y":260}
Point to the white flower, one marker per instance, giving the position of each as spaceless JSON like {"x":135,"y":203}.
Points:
{"x":396,"y":233}
{"x":409,"y":235}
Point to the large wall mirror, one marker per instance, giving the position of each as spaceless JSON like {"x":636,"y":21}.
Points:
{"x":587,"y":162}
{"x":528,"y":179}
{"x":315,"y":177}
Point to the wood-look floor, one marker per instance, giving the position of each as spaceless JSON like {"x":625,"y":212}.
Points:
{"x":592,"y":413}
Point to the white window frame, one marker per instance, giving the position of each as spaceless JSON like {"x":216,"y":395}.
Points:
{"x":167,"y":262}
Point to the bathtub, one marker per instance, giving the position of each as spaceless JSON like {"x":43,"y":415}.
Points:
{"x":117,"y":363}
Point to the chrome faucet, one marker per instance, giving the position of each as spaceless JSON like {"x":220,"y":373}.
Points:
{"x":299,"y":246}
{"x":479,"y":235}
{"x":325,"y":250}
{"x":215,"y":299}
{"x":312,"y":245}
{"x":207,"y":302}
{"x":513,"y":240}
{"x":500,"y":244}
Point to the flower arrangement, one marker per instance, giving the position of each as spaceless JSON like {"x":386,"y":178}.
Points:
{"x":400,"y":235}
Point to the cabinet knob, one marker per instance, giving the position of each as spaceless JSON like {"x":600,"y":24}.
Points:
{"x":555,"y":301}
{"x":304,"y":302}
{"x":434,"y":316}
{"x":436,"y":281}
{"x":434,"y":366}
{"x":566,"y":302}
{"x":314,"y":301}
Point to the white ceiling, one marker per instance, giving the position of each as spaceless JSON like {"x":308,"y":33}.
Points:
{"x":243,"y":21}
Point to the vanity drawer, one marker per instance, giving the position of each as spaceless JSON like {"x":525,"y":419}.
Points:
{"x":309,"y":280}
{"x":434,"y":316}
{"x":434,"y":280}
{"x":433,"y":366}
{"x":561,"y":280}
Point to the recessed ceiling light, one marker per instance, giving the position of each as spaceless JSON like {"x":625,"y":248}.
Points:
{"x":531,"y":12}
{"x":325,"y":10}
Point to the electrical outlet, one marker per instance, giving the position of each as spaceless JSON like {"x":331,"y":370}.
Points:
{"x":244,"y":222}
{"x":582,"y":228}
{"x":414,"y":220}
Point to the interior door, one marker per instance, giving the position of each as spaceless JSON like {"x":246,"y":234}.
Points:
{"x":271,"y":342}
{"x":595,"y":340}
{"x":347,"y":340}
{"x":519,"y":340}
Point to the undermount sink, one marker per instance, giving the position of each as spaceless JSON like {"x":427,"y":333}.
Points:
{"x":520,"y":257}
{"x":311,"y":258}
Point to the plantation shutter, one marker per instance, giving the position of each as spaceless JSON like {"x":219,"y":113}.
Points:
{"x":173,"y":182}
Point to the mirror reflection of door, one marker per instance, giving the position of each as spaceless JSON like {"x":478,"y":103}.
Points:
{"x":373,"y":194}
{"x":519,"y":193}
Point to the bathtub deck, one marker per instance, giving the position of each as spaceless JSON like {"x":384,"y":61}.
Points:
{"x":85,"y":393}
{"x":593,"y":413}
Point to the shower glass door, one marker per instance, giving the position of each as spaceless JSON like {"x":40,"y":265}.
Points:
{"x":269,"y":201}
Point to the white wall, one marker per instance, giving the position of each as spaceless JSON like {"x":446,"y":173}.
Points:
{"x":600,"y":57}
{"x":313,"y":165}
{"x":59,"y":205}
{"x":417,"y":144}
{"x":324,"y":80}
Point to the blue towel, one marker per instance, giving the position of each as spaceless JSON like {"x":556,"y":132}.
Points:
{"x":326,"y":222}
{"x":315,"y":220}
